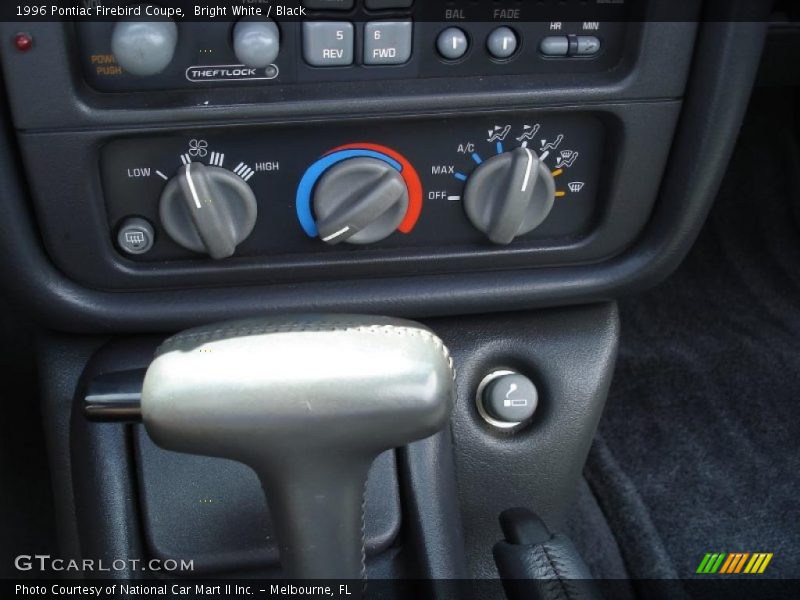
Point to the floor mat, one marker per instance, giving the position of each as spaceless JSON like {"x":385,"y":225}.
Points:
{"x":704,"y":413}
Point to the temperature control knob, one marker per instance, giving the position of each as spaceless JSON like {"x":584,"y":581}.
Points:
{"x":359,"y":201}
{"x":256,"y":42}
{"x":509,"y":195}
{"x":144,"y":47}
{"x":208,"y":209}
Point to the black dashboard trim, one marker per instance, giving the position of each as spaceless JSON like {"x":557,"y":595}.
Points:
{"x":725,"y":65}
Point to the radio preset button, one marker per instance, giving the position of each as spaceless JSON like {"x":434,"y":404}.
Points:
{"x":328,"y":43}
{"x":387,"y":42}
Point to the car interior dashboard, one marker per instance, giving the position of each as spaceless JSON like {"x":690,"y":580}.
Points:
{"x":500,"y":170}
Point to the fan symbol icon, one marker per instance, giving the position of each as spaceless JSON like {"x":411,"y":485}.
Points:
{"x":198,"y":148}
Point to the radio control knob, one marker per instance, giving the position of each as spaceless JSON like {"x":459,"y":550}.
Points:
{"x":208,"y":209}
{"x":359,"y":201}
{"x":144,"y":48}
{"x":509,"y":195}
{"x":256,"y":42}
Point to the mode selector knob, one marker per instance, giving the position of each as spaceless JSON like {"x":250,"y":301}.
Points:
{"x":509,"y":195}
{"x":359,"y":201}
{"x":208,"y":209}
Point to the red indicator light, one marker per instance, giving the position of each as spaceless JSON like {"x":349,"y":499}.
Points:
{"x":23,"y":42}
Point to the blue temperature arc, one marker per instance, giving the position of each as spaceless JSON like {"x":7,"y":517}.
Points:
{"x":315,"y":171}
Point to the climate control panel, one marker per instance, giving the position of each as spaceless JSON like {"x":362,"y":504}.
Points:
{"x":466,"y":183}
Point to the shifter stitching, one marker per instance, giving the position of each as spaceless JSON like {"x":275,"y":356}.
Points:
{"x":565,"y":588}
{"x":183,"y":339}
{"x":363,"y":541}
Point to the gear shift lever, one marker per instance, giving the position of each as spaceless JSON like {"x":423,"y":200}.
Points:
{"x":308,"y":403}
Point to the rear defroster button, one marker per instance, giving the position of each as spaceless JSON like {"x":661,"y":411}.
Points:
{"x":135,"y":236}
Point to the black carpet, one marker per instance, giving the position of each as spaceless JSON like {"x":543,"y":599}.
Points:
{"x":698,"y":448}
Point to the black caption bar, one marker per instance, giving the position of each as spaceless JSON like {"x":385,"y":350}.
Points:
{"x":252,"y":589}
{"x":421,"y":10}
